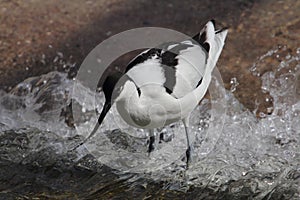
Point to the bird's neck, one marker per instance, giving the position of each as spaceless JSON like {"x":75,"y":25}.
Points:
{"x":129,"y":105}
{"x":129,"y":95}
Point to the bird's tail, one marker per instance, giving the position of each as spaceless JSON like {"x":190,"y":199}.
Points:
{"x":212,"y":41}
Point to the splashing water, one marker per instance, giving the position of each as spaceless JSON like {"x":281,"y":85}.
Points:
{"x":250,"y":158}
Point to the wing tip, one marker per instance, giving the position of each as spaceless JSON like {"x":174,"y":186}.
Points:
{"x":224,"y":29}
{"x":213,"y":21}
{"x":208,"y":32}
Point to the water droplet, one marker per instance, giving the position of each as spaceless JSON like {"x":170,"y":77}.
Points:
{"x":269,"y":110}
{"x":55,"y":59}
{"x":60,"y":54}
{"x":234,"y":83}
{"x":262,"y":115}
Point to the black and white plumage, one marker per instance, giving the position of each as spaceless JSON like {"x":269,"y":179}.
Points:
{"x":164,"y":84}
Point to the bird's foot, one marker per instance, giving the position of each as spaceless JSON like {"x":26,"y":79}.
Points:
{"x":151,"y":145}
{"x":188,"y":154}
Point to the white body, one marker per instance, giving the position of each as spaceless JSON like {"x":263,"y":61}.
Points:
{"x":155,"y":107}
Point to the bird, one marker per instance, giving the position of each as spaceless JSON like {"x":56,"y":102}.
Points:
{"x":164,"y":84}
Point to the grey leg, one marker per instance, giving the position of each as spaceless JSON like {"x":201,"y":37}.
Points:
{"x":189,"y":146}
{"x":151,"y":141}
